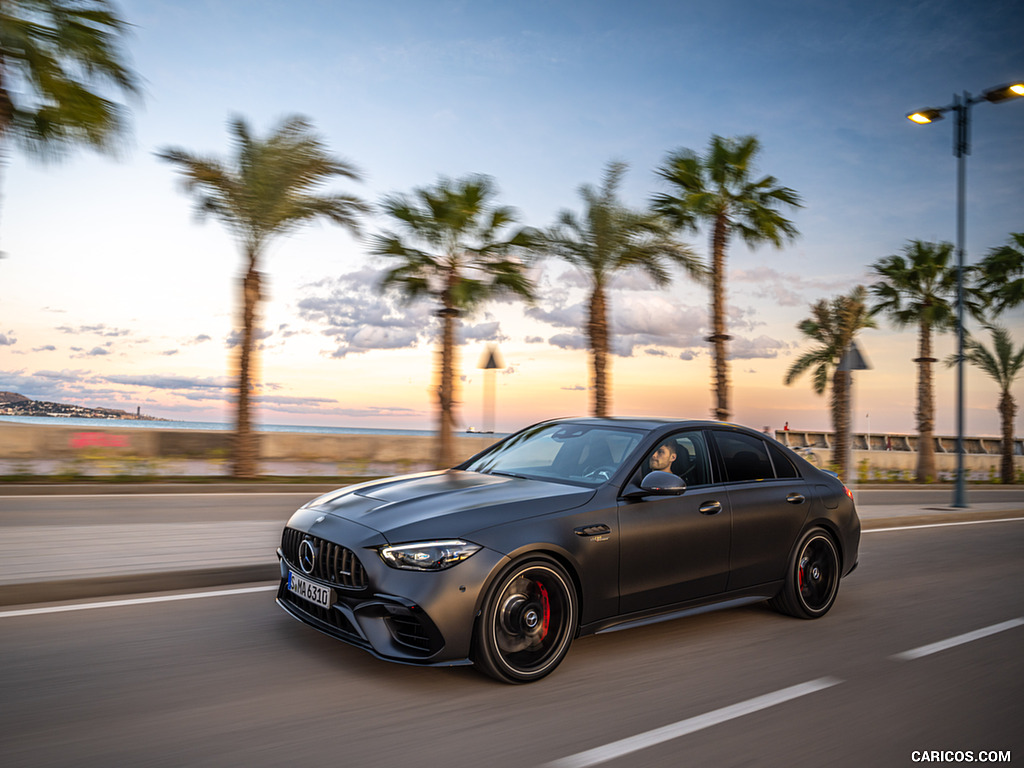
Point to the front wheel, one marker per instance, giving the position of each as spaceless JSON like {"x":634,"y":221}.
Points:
{"x":812,"y":579}
{"x":528,"y":621}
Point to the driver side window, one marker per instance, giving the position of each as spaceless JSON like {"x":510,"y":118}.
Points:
{"x":685,"y":455}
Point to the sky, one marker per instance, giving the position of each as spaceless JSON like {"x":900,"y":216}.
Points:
{"x":113,"y":293}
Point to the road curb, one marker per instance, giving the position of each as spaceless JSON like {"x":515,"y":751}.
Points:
{"x":134,"y":583}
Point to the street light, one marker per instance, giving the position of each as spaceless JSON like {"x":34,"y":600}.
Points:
{"x":961,"y":107}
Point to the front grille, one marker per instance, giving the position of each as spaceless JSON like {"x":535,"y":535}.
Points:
{"x":333,"y":563}
{"x":328,"y":620}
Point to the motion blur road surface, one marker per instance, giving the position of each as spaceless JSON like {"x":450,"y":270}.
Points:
{"x":226,"y":678}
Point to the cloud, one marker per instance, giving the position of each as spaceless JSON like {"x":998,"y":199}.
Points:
{"x":202,"y":337}
{"x":46,"y":348}
{"x":569,"y":341}
{"x":259,"y":334}
{"x":489,"y":331}
{"x":76,"y":374}
{"x":654,"y":321}
{"x":169,"y":352}
{"x":561,"y":316}
{"x":282,"y":400}
{"x":98,"y":330}
{"x":51,"y":386}
{"x":353,"y":312}
{"x":161,"y":381}
{"x":790,"y":289}
{"x":6,"y":340}
{"x":761,"y":347}
{"x":638,"y":317}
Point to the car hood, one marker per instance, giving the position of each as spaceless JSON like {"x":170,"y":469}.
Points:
{"x":447,"y":504}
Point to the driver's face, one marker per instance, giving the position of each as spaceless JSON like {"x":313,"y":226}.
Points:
{"x":662,"y":458}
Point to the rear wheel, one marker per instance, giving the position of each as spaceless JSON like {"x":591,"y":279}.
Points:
{"x":812,"y":580}
{"x":528,"y":621}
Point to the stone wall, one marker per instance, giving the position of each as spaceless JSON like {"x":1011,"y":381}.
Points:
{"x":63,"y":441}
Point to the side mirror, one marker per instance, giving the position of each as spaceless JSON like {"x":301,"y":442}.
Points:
{"x":659,"y":483}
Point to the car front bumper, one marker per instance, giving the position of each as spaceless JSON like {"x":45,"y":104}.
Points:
{"x":414,"y":617}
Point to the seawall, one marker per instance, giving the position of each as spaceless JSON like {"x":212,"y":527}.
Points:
{"x":341,"y":453}
{"x":107,"y":449}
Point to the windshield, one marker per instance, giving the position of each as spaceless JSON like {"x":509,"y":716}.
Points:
{"x":569,"y":453}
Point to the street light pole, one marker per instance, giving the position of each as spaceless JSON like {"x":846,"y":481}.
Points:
{"x":961,"y":148}
{"x":961,"y":107}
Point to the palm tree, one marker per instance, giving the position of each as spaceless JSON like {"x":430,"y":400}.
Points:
{"x":610,"y":238}
{"x":834,"y":325}
{"x":1003,"y":364}
{"x":454,"y":247}
{"x":269,"y":188}
{"x":718,"y":190}
{"x":1001,"y":275}
{"x":58,"y":62}
{"x":919,"y":288}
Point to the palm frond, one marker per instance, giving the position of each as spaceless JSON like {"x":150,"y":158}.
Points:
{"x":67,"y":54}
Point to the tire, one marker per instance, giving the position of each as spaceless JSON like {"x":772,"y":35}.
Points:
{"x":812,"y":577}
{"x":529,"y":619}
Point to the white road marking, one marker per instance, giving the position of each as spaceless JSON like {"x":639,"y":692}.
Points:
{"x":952,"y":642}
{"x":666,"y":733}
{"x":132,"y":601}
{"x":941,"y":525}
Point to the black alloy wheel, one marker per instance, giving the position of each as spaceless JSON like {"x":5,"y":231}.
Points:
{"x":528,"y":622}
{"x":812,"y":581}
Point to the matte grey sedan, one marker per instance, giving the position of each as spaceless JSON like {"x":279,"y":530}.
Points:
{"x":567,"y":528}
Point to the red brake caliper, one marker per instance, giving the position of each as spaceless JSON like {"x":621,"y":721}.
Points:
{"x":545,"y":602}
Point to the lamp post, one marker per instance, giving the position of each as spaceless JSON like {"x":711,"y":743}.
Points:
{"x":961,"y":107}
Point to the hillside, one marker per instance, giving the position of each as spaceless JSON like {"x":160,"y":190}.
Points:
{"x":14,"y":404}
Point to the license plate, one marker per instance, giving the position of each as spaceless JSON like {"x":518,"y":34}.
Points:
{"x":307,"y":590}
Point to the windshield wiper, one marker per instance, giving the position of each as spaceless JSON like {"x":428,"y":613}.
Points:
{"x":508,"y":474}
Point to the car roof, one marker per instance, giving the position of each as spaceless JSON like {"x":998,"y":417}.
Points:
{"x":648,"y":423}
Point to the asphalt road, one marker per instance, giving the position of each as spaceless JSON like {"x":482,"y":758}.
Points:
{"x":232,"y":680}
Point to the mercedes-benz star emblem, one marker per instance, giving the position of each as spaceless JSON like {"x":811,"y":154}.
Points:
{"x":307,"y":556}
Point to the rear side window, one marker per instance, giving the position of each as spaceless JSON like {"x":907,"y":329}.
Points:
{"x":745,"y":457}
{"x":783,"y":466}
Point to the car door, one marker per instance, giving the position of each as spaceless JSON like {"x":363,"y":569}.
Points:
{"x":675,"y":548}
{"x":769,"y":502}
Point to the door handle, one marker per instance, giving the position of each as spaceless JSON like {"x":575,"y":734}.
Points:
{"x":795,"y":498}
{"x":710,"y":508}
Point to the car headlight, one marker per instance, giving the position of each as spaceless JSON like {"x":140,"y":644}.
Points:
{"x":428,"y":555}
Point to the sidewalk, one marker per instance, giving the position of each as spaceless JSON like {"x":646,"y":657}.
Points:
{"x":40,"y":563}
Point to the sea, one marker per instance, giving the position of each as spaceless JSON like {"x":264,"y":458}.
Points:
{"x":218,"y":426}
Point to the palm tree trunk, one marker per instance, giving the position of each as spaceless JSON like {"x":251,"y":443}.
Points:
{"x":1007,"y":410}
{"x":446,"y":389}
{"x":841,"y":423}
{"x":925,"y":408}
{"x":597,"y":330}
{"x":719,"y":240}
{"x":246,"y":446}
